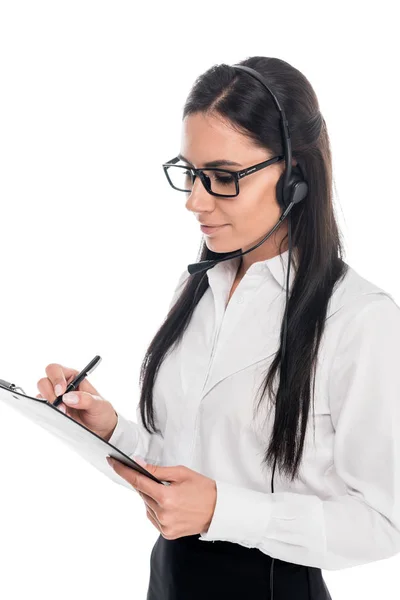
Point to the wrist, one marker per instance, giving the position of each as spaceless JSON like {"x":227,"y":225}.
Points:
{"x":108,"y":436}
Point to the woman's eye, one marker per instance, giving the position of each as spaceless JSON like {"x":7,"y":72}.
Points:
{"x":224,"y":179}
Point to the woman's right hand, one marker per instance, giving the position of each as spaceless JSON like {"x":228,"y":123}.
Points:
{"x":92,"y":410}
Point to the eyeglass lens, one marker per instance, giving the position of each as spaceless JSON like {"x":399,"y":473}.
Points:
{"x":219,"y":182}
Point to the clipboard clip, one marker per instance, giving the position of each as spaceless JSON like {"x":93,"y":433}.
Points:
{"x":11,"y":386}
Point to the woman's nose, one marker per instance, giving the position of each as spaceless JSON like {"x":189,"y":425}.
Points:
{"x":199,"y":200}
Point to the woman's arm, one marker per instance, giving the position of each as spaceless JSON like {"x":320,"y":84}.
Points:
{"x":363,"y":524}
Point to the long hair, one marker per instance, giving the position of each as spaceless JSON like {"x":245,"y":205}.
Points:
{"x":223,"y":91}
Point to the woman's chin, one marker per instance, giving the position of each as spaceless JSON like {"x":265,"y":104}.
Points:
{"x":220,"y":247}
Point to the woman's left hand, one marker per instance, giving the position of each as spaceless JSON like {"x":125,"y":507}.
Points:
{"x":185,"y":507}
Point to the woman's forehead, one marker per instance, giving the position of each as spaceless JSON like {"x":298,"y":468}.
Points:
{"x":206,"y":139}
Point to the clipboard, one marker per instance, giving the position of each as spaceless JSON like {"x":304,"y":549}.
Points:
{"x":79,"y":438}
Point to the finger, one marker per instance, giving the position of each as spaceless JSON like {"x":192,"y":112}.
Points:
{"x":60,"y":407}
{"x":149,"y":502}
{"x":84,"y":386}
{"x":86,"y":401}
{"x":141,"y":482}
{"x":62,"y":376}
{"x":57,"y":378}
{"x":46,"y":389}
{"x":153,"y":520}
{"x":153,"y":514}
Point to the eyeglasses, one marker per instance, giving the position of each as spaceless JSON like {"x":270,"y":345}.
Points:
{"x":218,"y":182}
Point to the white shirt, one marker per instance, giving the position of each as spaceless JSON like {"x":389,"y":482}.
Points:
{"x":345,"y":508}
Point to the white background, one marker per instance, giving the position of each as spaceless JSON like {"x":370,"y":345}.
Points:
{"x":93,"y":239}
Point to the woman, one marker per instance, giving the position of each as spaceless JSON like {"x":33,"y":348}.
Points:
{"x":250,"y":324}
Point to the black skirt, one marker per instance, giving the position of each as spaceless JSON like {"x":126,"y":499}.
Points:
{"x":191,"y":569}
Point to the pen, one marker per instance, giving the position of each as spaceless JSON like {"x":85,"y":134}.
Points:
{"x":80,"y":377}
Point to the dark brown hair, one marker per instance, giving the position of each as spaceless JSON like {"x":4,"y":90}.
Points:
{"x":235,"y":96}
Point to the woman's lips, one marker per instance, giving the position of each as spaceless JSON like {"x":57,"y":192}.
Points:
{"x":211,"y":230}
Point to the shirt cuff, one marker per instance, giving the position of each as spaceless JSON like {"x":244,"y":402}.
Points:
{"x":241,"y":515}
{"x":125,"y":435}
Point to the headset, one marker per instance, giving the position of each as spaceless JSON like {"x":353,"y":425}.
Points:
{"x":291,"y":188}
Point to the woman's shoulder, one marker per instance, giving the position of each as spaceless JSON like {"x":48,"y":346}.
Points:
{"x":354,"y":293}
{"x":359,"y":309}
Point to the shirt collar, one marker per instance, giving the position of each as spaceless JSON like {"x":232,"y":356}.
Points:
{"x":277,"y":266}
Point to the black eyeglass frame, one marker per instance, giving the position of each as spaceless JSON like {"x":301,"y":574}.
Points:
{"x":236,"y":174}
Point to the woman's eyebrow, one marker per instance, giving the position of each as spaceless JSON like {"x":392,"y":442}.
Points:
{"x":212,"y":163}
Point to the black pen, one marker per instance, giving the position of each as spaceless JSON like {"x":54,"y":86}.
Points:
{"x":80,"y":377}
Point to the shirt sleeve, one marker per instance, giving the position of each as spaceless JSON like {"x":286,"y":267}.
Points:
{"x":361,"y":525}
{"x":134,"y":440}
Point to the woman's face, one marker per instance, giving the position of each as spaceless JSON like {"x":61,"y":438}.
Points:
{"x":247,"y":217}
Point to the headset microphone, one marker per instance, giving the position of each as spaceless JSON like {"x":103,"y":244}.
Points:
{"x":204,"y":265}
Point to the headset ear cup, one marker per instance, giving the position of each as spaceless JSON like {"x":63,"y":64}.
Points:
{"x":279,"y":192}
{"x":296,"y":176}
{"x":299,"y":186}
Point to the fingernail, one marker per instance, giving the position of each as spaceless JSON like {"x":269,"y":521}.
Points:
{"x":139,"y":460}
{"x":58,"y":389}
{"x":63,"y":409}
{"x":70,"y":398}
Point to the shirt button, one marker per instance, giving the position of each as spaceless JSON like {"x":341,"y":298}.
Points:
{"x":240,"y":299}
